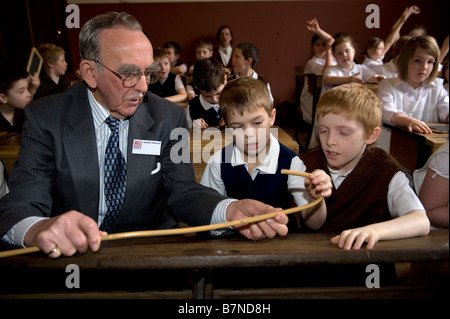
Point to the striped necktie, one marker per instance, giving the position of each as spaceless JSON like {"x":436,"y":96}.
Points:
{"x":115,"y":179}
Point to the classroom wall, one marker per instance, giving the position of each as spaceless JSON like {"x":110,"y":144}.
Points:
{"x":277,"y":28}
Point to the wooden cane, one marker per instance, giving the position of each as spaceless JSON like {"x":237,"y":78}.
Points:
{"x":186,"y":230}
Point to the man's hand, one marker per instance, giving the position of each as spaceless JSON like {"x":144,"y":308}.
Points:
{"x":248,"y":208}
{"x":65,"y":234}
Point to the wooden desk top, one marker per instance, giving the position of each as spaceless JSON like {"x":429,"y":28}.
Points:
{"x":434,"y":140}
{"x":192,"y":252}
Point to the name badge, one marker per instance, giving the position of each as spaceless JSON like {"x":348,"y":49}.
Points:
{"x":145,"y":147}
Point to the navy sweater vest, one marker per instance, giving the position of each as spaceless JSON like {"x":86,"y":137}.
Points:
{"x":270,"y":189}
{"x":166,"y":89}
{"x":197,"y":111}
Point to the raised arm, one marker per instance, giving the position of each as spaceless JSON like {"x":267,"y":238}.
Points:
{"x":395,"y":31}
{"x":313,"y":25}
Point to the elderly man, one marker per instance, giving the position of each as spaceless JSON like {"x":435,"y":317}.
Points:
{"x":80,"y":171}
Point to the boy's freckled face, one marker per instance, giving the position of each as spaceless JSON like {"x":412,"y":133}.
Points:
{"x":164,"y":68}
{"x":251,"y":130}
{"x":343,"y":141}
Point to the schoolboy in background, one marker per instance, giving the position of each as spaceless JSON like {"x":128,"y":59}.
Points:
{"x":169,"y":86}
{"x":203,"y":110}
{"x":15,"y":87}
{"x":203,"y":50}
{"x":371,"y":198}
{"x":174,"y":50}
{"x":250,"y":167}
{"x":52,"y":77}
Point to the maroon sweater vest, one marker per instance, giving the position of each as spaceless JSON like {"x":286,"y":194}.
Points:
{"x":361,"y":199}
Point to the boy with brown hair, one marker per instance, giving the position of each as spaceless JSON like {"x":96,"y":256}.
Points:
{"x":204,"y":110}
{"x":250,"y":167}
{"x":371,"y":198}
{"x":170,"y":86}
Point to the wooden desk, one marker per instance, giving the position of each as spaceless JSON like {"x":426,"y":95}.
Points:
{"x":412,"y":150}
{"x":204,"y":143}
{"x":9,"y":149}
{"x":200,"y":259}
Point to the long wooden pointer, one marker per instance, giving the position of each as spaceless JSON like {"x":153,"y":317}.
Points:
{"x":186,"y":230}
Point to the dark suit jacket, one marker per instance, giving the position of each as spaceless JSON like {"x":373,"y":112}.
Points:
{"x":58,"y":171}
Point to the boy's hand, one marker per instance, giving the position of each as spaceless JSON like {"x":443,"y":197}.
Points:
{"x":319,"y":184}
{"x":355,"y":238}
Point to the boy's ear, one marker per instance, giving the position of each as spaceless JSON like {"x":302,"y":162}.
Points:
{"x":88,"y":73}
{"x":3,"y":98}
{"x":272,"y":116}
{"x":373,"y":136}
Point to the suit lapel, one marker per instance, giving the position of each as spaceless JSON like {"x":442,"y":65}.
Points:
{"x":79,"y":144}
{"x":138,"y":166}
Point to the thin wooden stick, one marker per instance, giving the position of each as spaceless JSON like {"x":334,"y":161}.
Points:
{"x":186,"y":230}
{"x":296,"y":173}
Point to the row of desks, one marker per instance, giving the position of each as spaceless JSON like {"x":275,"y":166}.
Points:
{"x":200,"y":265}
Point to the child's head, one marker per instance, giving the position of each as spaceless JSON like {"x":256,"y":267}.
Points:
{"x":245,"y":56}
{"x":174,"y":50}
{"x":418,"y":60}
{"x":54,"y":58}
{"x":349,"y":119}
{"x":344,"y":48}
{"x":418,"y":30}
{"x":161,"y":56}
{"x":319,"y":46}
{"x":374,"y":48}
{"x":203,"y":49}
{"x":209,"y":78}
{"x":14,"y":87}
{"x":398,"y":46}
{"x":224,"y":36}
{"x":247,"y":109}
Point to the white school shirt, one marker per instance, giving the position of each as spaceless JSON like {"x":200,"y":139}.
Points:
{"x":372,"y":63}
{"x":389,"y":70}
{"x":296,"y":184}
{"x":336,"y":70}
{"x":225,"y":57}
{"x":438,"y":163}
{"x":428,"y":103}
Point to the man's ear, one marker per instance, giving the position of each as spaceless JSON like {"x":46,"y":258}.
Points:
{"x":373,"y":136}
{"x":3,"y":98}
{"x":89,"y":73}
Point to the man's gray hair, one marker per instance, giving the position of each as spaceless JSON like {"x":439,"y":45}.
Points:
{"x":89,"y":37}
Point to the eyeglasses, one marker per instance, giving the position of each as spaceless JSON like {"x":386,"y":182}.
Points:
{"x":129,"y":80}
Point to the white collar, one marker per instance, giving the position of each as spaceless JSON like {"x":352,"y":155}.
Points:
{"x":99,"y":113}
{"x":270,"y":163}
{"x":206,"y":105}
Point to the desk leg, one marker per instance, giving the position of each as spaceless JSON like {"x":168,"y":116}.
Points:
{"x":202,"y":287}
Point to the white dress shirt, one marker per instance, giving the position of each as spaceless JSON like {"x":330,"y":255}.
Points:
{"x":296,"y":185}
{"x":428,"y":103}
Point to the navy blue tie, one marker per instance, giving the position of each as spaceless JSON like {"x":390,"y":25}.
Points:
{"x":115,"y":176}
